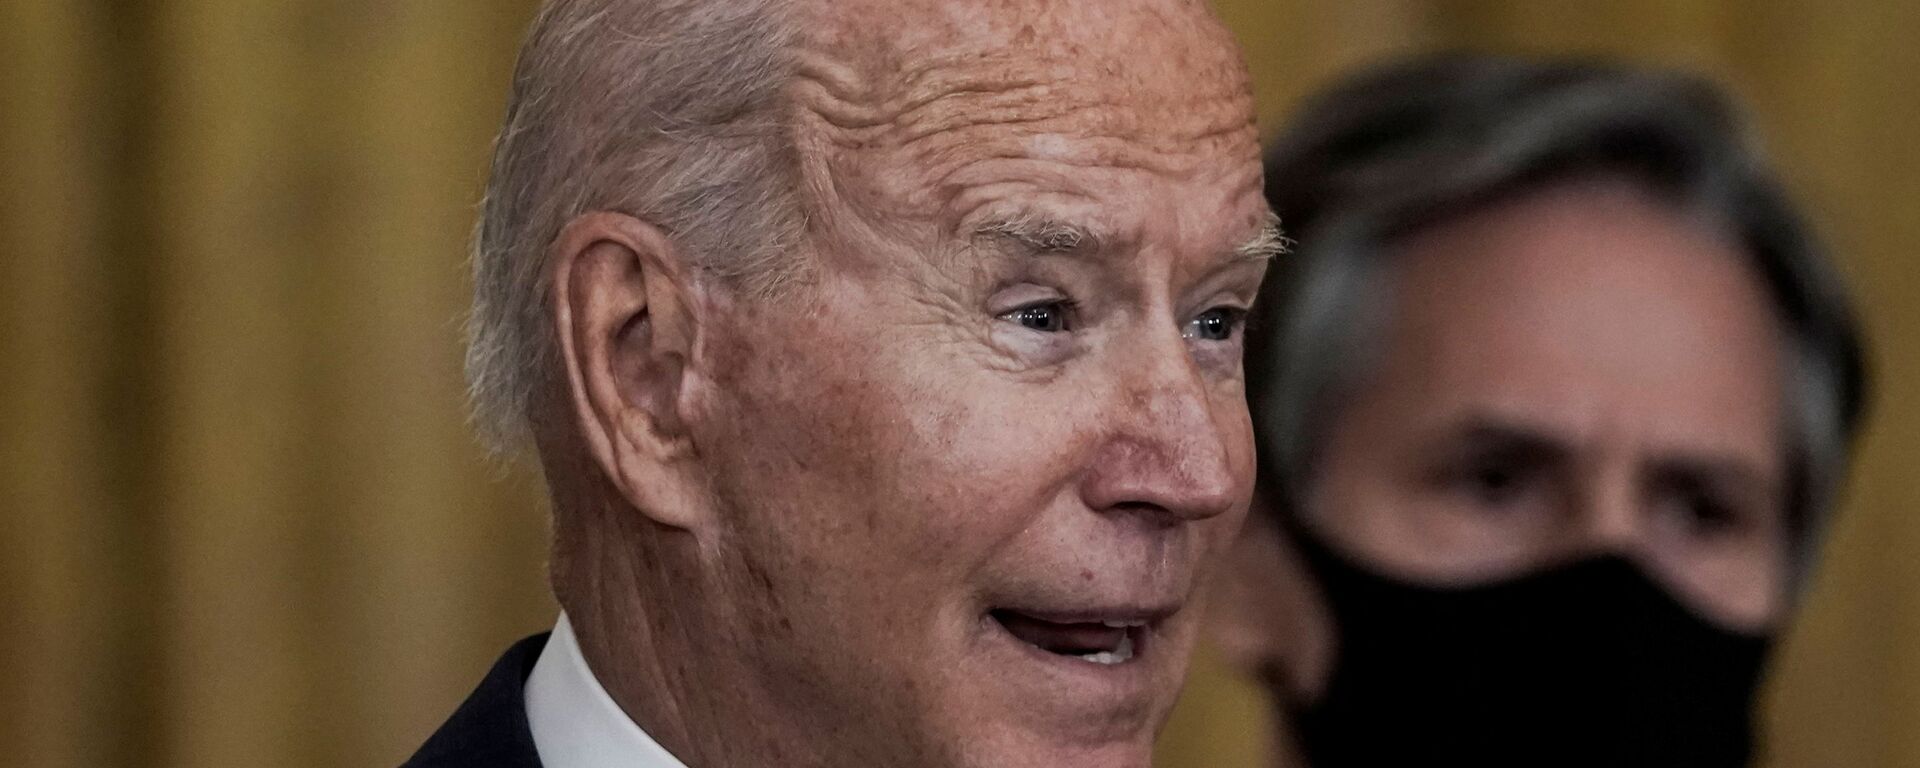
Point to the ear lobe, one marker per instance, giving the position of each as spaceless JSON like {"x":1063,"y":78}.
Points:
{"x":623,"y":315}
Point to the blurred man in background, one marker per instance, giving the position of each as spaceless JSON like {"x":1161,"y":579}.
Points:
{"x":886,"y":377}
{"x":1552,"y":406}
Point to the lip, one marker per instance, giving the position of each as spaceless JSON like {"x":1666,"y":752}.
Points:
{"x":1090,"y":701}
{"x":1126,"y":691}
{"x":1148,"y":616}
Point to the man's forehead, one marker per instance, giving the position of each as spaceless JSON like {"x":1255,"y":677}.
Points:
{"x":929,"y":49}
{"x":949,"y":108}
{"x":1113,"y":83}
{"x":936,"y":25}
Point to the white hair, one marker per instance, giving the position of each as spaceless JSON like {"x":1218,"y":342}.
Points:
{"x":667,"y":110}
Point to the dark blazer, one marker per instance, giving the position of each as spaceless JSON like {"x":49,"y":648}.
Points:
{"x":490,"y":729}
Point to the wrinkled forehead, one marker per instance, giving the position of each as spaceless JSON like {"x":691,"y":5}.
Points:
{"x":1158,"y":48}
{"x":901,"y":97}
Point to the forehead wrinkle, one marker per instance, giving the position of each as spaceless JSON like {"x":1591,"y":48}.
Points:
{"x":1162,"y":56}
{"x":946,"y":153}
{"x":951,"y":101}
{"x":854,"y":101}
{"x":949,"y":96}
{"x":915,"y":121}
{"x":958,"y":168}
{"x":957,"y":173}
{"x":1102,"y":134}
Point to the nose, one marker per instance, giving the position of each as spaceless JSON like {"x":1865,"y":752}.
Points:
{"x":1174,"y":451}
{"x":1608,"y":519}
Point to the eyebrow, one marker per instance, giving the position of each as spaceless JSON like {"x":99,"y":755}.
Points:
{"x":1042,"y":235}
{"x":1721,"y":471}
{"x":1482,"y":432}
{"x":1039,"y":235}
{"x":1488,"y":432}
{"x":1267,"y":244}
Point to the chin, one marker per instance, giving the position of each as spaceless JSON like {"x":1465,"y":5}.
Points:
{"x":1133,"y":753}
{"x":1024,"y":705}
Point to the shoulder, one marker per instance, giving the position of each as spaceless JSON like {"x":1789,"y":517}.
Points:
{"x":490,"y":728}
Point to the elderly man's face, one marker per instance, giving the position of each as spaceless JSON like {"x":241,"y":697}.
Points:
{"x":974,"y":470}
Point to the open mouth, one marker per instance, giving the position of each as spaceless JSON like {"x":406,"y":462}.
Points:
{"x":1105,"y":641}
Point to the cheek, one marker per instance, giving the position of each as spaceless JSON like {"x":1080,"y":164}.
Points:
{"x":808,"y":463}
{"x":988,"y":456}
{"x":909,"y":457}
{"x":1744,"y":587}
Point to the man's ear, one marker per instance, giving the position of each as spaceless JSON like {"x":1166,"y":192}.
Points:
{"x":1266,"y":616}
{"x":627,"y":317}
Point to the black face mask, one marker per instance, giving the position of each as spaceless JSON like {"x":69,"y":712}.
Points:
{"x":1591,"y":664}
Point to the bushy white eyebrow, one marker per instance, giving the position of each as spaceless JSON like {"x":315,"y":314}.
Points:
{"x":1268,"y":244}
{"x":1039,"y":234}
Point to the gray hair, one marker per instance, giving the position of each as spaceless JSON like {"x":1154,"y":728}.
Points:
{"x":671,"y":111}
{"x":1405,"y":146}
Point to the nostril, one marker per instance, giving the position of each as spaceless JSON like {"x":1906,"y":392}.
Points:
{"x":1152,"y":513}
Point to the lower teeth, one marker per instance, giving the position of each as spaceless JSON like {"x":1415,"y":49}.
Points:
{"x":1120,"y":653}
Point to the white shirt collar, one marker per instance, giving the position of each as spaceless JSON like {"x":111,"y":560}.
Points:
{"x":575,"y":723}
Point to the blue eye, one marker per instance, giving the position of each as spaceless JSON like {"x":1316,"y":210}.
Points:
{"x":1217,"y":324}
{"x":1050,"y":317}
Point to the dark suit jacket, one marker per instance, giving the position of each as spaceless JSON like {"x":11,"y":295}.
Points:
{"x":490,"y":729}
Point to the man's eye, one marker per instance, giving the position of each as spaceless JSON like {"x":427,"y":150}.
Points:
{"x":1701,"y":515}
{"x":1050,"y":317}
{"x":1496,"y":483}
{"x":1217,"y":324}
{"x":1493,"y":485}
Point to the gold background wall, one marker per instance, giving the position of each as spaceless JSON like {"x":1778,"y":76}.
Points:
{"x":242,"y":522}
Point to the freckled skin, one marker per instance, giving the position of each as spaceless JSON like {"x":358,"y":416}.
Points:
{"x":942,"y":118}
{"x":893,"y":457}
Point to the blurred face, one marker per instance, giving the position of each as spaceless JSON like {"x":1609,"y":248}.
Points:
{"x":975,"y":469}
{"x":1580,"y":371}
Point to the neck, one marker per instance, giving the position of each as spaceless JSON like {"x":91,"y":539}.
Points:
{"x":652,"y":624}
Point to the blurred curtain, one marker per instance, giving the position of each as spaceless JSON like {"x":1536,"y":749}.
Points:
{"x":242,"y":522}
{"x":245,"y":525}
